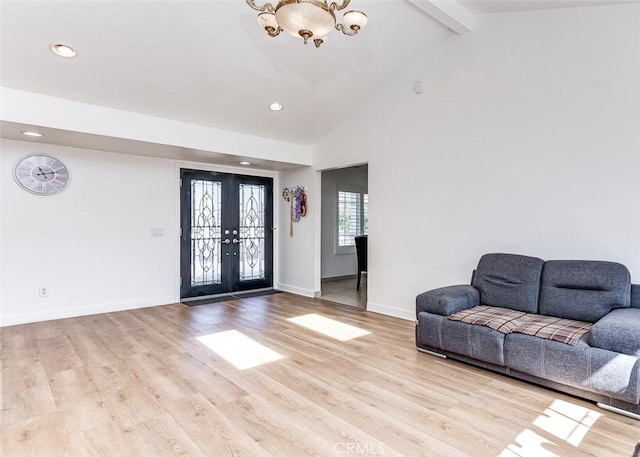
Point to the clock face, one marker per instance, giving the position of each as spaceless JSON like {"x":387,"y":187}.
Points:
{"x":41,"y":174}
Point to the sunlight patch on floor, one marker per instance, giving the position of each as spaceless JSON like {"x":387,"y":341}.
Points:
{"x":529,"y":444}
{"x":329,"y":327}
{"x":564,"y":420}
{"x":567,"y":421}
{"x":239,"y":350}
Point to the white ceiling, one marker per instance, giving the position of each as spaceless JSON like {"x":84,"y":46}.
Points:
{"x":209,"y":63}
{"x":206,"y":62}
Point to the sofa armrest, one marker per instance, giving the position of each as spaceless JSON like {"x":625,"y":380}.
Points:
{"x":635,"y":295}
{"x":447,"y":300}
{"x":618,"y":331}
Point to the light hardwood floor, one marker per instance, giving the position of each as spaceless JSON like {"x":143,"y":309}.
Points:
{"x":140,"y":383}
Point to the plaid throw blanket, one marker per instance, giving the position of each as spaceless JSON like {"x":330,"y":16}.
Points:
{"x":510,"y":321}
{"x":501,"y":319}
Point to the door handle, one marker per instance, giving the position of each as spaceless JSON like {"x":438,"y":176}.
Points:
{"x":227,"y":241}
{"x":235,"y":241}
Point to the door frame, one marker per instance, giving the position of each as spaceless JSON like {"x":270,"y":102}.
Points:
{"x":232,"y":170}
{"x":321,"y":240}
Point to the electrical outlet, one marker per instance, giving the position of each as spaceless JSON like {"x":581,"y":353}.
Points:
{"x":43,"y":292}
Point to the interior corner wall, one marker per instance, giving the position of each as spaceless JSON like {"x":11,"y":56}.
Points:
{"x":89,"y":245}
{"x":299,"y":255}
{"x":526,"y":139}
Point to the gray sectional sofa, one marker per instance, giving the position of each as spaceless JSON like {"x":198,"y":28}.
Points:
{"x":602,"y":366}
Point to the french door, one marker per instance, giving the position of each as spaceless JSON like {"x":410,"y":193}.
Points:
{"x":226,"y":233}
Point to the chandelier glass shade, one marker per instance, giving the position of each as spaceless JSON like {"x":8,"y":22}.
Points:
{"x":308,"y":19}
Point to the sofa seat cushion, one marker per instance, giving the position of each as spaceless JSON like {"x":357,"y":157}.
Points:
{"x":618,"y":331}
{"x":596,"y":370}
{"x":474,"y":341}
{"x":507,"y":321}
{"x":583,"y":290}
{"x":509,"y":281}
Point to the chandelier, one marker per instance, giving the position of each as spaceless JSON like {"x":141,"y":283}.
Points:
{"x":308,"y":19}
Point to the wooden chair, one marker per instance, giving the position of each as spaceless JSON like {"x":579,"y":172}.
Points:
{"x":361,"y":254}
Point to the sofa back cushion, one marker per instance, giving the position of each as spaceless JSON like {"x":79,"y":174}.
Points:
{"x":583,"y":290}
{"x":509,"y":281}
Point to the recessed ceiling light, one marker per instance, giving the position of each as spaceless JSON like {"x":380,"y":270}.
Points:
{"x":276,"y":106}
{"x":63,"y":50}
{"x":29,"y":133}
{"x":244,"y":162}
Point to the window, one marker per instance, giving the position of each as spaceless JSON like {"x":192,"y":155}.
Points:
{"x":352,"y":216}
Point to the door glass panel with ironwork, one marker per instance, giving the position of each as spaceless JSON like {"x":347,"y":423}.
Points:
{"x":206,"y":202}
{"x":252,"y":231}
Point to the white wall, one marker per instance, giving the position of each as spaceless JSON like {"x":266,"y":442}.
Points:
{"x":526,"y":139}
{"x":344,"y":263}
{"x":299,"y":255}
{"x":90,"y":245}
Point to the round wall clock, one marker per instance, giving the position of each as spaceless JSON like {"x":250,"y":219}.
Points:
{"x":41,"y":174}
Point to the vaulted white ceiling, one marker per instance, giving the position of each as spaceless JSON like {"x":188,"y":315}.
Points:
{"x":209,"y":63}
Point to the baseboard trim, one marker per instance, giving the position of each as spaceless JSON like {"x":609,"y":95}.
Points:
{"x":391,"y":311}
{"x":297,"y":290}
{"x":19,"y":319}
{"x":341,"y":278}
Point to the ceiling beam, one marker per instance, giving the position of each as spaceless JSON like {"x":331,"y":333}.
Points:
{"x":57,"y":114}
{"x":449,"y":13}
